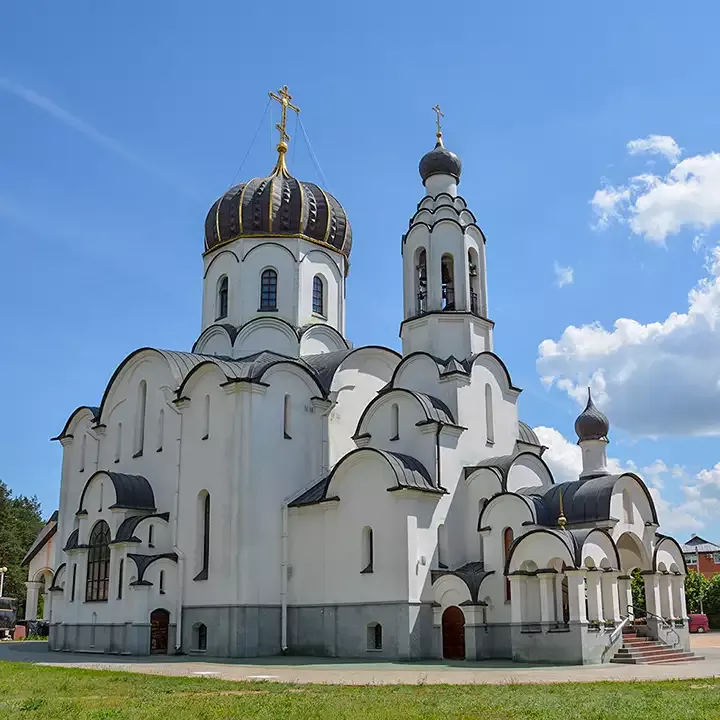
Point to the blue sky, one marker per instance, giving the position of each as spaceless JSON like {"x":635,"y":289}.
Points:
{"x":121,"y":125}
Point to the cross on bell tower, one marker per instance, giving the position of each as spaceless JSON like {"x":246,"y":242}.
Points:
{"x":284,"y":97}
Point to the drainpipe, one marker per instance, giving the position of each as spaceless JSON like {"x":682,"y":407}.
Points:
{"x":437,"y":454}
{"x":284,"y":579}
{"x":176,"y":549}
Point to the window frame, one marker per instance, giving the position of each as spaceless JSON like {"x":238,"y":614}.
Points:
{"x":97,"y":578}
{"x":268,"y":290}
{"x":318,"y":296}
{"x":222,"y":299}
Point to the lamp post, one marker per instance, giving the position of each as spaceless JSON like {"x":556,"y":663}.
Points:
{"x":3,"y":570}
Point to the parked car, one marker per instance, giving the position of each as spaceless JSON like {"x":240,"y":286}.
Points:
{"x":699,"y":623}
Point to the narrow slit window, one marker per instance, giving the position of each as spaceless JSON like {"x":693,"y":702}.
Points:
{"x":151,"y":536}
{"x":118,"y":443}
{"x":120,"y":579}
{"x":203,"y":547}
{"x":74,"y":582}
{"x":161,"y":582}
{"x":206,"y":418}
{"x":83,"y":453}
{"x":268,"y":290}
{"x":442,"y":546}
{"x":394,"y":422}
{"x":140,"y":410}
{"x":222,"y":298}
{"x":102,"y":492}
{"x":508,"y":538}
{"x":160,"y":430}
{"x":368,"y":551}
{"x":286,"y":418}
{"x":489,"y":419}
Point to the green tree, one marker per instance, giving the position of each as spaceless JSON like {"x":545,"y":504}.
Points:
{"x":712,"y":595}
{"x":638,"y":589}
{"x":20,"y":522}
{"x":695,"y":589}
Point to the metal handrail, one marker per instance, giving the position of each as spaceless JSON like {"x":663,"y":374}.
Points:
{"x":615,"y":634}
{"x":632,"y":608}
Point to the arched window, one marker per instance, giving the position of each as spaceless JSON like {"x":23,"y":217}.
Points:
{"x":206,"y":418}
{"x":442,"y":546}
{"x":286,"y":418}
{"x":83,"y":453}
{"x":374,"y":636}
{"x":222,"y":298}
{"x":474,"y":281}
{"x":318,"y":304}
{"x":203,"y":524}
{"x":118,"y":442}
{"x":489,"y":420}
{"x":140,"y":410}
{"x":366,"y":560}
{"x":448,"y":282}
{"x":200,"y":636}
{"x":268,"y":290}
{"x":74,"y":583}
{"x":151,"y":536}
{"x":394,"y":422}
{"x":98,"y":568}
{"x":120,"y":579}
{"x":161,"y":582}
{"x":160,"y":430}
{"x":421,"y":281}
{"x":508,"y":538}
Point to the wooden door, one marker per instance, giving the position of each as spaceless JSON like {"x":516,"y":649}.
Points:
{"x":159,"y":623}
{"x":453,"y":633}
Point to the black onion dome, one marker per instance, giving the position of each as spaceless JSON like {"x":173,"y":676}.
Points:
{"x":276,"y":206}
{"x":440,"y":161}
{"x":591,"y":424}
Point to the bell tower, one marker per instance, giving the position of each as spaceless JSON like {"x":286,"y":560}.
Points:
{"x":444,"y":274}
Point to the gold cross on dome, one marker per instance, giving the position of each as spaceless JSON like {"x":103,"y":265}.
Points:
{"x":284,"y":98}
{"x":439,"y":114}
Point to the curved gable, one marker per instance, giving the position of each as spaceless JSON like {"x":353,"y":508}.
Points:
{"x":431,"y":408}
{"x":75,"y":417}
{"x":132,"y":492}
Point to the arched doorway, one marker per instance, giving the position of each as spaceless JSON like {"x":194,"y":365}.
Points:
{"x":453,"y":633}
{"x":159,"y":625}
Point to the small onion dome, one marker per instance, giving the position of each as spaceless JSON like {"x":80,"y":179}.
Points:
{"x":440,"y":161}
{"x":278,"y":206}
{"x":591,"y":424}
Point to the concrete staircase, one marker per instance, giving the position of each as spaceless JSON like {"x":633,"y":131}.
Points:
{"x":639,"y":650}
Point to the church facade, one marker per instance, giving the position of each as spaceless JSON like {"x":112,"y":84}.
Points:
{"x":277,"y":490}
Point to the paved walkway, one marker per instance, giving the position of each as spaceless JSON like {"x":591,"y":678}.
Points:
{"x":320,"y":670}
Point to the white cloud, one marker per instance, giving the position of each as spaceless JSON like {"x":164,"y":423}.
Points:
{"x":655,"y":206}
{"x":699,"y":509}
{"x":657,"y":145}
{"x":91,"y":133}
{"x":608,"y":204}
{"x":563,"y":275}
{"x":652,"y":379}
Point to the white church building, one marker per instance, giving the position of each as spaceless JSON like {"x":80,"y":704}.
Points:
{"x":276,"y":489}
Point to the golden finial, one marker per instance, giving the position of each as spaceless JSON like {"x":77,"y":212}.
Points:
{"x":284,"y":98}
{"x":562,"y":520}
{"x":439,"y":114}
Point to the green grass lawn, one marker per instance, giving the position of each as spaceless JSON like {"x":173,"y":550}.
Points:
{"x":31,"y":691}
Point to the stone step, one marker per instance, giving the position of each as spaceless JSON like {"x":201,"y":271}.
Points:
{"x":645,"y":654}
